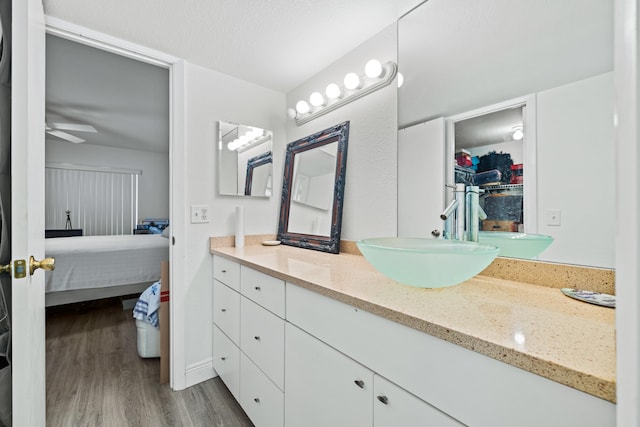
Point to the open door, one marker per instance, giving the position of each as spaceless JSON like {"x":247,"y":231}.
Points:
{"x":27,"y":213}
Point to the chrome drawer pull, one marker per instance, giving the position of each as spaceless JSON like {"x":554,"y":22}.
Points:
{"x":257,"y":338}
{"x":384,"y":399}
{"x":223,"y":271}
{"x":257,"y":288}
{"x":223,"y":358}
{"x":223,"y":309}
{"x":359,"y":383}
{"x":257,"y":400}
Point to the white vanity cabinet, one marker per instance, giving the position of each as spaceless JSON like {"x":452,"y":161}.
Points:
{"x":304,"y":359}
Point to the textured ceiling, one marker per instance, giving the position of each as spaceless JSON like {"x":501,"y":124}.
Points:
{"x":277,"y":44}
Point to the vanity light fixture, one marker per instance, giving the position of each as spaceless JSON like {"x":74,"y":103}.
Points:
{"x":518,"y":134}
{"x":376,"y":76}
{"x":249,"y":139}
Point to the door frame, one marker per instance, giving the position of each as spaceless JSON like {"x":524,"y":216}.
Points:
{"x":530,"y":188}
{"x":177,"y":171}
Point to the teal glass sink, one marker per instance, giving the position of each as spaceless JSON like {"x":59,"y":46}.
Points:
{"x":427,"y":263}
{"x":516,"y":245}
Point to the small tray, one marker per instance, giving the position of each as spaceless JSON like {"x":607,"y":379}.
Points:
{"x":597,"y":298}
{"x":271,"y":242}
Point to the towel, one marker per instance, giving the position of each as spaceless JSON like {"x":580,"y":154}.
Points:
{"x":146,"y":309}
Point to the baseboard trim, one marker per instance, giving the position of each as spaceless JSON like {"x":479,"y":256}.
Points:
{"x":199,"y":372}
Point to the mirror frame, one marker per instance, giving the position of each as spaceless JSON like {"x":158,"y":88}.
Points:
{"x":338,"y":133}
{"x":252,"y":163}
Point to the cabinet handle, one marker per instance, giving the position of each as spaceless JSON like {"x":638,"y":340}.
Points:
{"x":359,"y":383}
{"x":223,"y":358}
{"x":384,"y":399}
{"x":223,"y":310}
{"x":257,"y":338}
{"x":223,"y":271}
{"x":257,"y":288}
{"x":257,"y":400}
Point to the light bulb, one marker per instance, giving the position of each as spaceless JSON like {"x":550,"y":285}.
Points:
{"x":333,"y":91}
{"x":302,"y":107}
{"x":352,"y":81}
{"x":400,"y":79}
{"x":373,"y":69}
{"x":316,"y":99}
{"x":518,"y":135}
{"x":291,"y":113}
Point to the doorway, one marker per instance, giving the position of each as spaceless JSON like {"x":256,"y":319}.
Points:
{"x":494,"y":147}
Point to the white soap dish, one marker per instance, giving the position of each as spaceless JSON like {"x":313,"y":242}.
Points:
{"x":591,"y":297}
{"x":271,"y":242}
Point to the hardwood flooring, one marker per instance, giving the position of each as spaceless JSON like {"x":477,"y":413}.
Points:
{"x":96,"y":378}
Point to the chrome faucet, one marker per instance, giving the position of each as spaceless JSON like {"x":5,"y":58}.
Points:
{"x":461,"y":216}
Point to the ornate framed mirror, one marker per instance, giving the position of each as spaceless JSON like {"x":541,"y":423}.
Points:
{"x":313,"y":190}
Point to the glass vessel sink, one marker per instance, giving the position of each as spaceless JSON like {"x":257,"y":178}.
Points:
{"x":516,"y":245}
{"x":427,"y":263}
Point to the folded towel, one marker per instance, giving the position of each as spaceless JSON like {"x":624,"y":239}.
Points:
{"x":146,"y":309}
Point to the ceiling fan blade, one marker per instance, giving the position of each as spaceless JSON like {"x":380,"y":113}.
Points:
{"x":74,"y":127}
{"x":66,"y":136}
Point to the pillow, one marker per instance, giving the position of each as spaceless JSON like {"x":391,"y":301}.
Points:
{"x":166,"y":232}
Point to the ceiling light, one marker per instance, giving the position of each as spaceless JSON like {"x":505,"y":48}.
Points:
{"x":373,"y":69}
{"x":352,"y":81}
{"x":518,"y":134}
{"x":333,"y":91}
{"x":302,"y":107}
{"x":316,"y":99}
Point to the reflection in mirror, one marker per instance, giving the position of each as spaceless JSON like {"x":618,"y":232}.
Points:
{"x":313,"y":189}
{"x":560,"y":54}
{"x":245,"y":166}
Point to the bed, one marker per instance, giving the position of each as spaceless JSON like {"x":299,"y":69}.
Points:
{"x":93,"y":267}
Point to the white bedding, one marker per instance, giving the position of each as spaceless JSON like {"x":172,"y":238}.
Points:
{"x":87,"y":262}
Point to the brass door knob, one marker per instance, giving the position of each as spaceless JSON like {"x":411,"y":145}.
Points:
{"x":47,"y":264}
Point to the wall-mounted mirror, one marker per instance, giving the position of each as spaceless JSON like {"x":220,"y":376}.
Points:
{"x":313,"y":189}
{"x":245,"y":166}
{"x":460,"y":57}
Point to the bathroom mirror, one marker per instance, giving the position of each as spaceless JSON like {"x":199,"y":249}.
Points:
{"x":313,"y":189}
{"x":459,"y":57}
{"x":245,"y":166}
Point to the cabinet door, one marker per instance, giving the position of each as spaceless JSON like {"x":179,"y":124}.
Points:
{"x":262,"y":339}
{"x":394,"y":406}
{"x":226,"y":271}
{"x":323,"y":386}
{"x":226,"y":310}
{"x":259,"y":397}
{"x":226,"y":361}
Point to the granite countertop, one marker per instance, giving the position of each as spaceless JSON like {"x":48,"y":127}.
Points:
{"x":532,"y":327}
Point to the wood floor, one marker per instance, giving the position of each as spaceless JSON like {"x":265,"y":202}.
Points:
{"x":95,"y":377}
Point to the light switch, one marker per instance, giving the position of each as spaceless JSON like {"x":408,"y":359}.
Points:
{"x":553,"y":216}
{"x":199,"y":214}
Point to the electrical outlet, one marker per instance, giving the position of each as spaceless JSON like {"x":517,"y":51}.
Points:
{"x":199,"y":214}
{"x":553,"y":216}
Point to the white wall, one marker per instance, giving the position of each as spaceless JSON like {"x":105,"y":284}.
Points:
{"x":212,"y":96}
{"x":153,"y":184}
{"x":370,"y":203}
{"x":576,"y":170}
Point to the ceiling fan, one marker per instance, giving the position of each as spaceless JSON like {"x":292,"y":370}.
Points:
{"x":56,"y":129}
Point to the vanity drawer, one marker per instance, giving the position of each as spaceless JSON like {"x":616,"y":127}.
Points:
{"x":263,"y":289}
{"x":226,"y":310}
{"x":262,"y":339}
{"x":226,"y":361}
{"x":259,"y":397}
{"x":226,"y":271}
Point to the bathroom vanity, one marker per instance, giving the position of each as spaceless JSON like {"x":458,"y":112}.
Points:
{"x":309,"y":338}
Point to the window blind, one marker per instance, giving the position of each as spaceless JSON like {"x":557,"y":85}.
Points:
{"x":102,"y":201}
